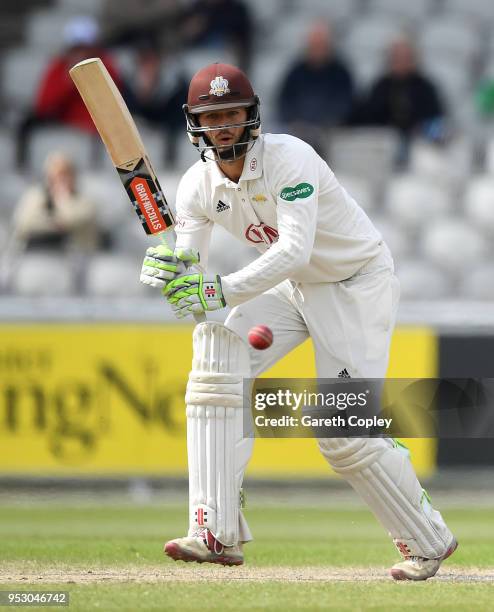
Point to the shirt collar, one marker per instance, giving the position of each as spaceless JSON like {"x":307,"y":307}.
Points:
{"x":252,"y":166}
{"x":253,"y":161}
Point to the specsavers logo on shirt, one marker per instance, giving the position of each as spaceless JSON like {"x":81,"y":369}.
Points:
{"x":302,"y":190}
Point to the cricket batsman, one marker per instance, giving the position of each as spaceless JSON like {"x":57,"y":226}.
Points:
{"x":323,"y":271}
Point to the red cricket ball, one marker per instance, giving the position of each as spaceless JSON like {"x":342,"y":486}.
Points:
{"x":260,"y":337}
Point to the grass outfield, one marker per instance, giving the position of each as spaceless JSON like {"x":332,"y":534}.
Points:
{"x":109,"y":557}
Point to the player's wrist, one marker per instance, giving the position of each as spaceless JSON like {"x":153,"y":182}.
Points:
{"x":227,"y":293}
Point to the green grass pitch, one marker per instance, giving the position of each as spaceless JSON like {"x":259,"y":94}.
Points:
{"x":109,"y":557}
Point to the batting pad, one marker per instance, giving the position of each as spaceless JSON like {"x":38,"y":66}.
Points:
{"x":217,"y":451}
{"x":381,"y":473}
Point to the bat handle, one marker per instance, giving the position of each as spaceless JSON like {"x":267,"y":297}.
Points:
{"x":170,"y":243}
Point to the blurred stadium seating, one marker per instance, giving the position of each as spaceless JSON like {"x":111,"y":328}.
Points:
{"x":478,"y":10}
{"x":419,"y":278}
{"x":411,"y":199}
{"x":438,"y":216}
{"x":479,"y":203}
{"x":415,"y":11}
{"x":478,"y":284}
{"x":371,"y":35}
{"x":453,"y":245}
{"x":450,"y":37}
{"x":365,"y":152}
{"x":28,"y":62}
{"x":42,"y":274}
{"x":70,"y":141}
{"x":112,"y":275}
{"x":43,"y":29}
{"x":92,"y":7}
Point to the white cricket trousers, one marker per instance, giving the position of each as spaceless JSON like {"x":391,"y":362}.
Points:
{"x":350,"y":324}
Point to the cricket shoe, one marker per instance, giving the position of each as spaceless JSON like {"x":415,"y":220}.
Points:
{"x":203,"y":547}
{"x":419,"y":568}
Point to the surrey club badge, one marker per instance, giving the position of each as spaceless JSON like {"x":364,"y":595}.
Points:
{"x":219,"y":87}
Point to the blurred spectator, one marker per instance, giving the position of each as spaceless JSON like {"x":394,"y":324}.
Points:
{"x":223,"y":24}
{"x":126,"y":22}
{"x":57,"y":100}
{"x":317,"y":91}
{"x":54,"y":215}
{"x":404,"y":98}
{"x":156,"y":92}
{"x":484,"y":97}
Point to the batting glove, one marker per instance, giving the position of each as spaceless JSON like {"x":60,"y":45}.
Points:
{"x":194,"y":293}
{"x":188,"y":256}
{"x":162,"y":265}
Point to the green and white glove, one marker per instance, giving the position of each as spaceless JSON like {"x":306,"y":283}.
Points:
{"x":194,"y":293}
{"x":161,"y":264}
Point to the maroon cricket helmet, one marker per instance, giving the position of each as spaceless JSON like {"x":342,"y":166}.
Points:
{"x":221,"y":86}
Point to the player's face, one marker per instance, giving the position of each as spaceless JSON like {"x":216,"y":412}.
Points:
{"x":224,"y":136}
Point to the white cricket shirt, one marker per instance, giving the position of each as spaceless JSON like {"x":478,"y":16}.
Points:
{"x":287,"y":204}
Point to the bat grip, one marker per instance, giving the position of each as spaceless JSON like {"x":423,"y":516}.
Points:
{"x":169,"y":241}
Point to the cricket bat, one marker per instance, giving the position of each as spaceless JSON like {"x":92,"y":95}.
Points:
{"x":123,"y":142}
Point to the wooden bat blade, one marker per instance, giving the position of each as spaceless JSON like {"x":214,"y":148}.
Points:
{"x":119,"y":133}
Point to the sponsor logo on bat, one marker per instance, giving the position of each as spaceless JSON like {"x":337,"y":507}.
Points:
{"x":147,"y":204}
